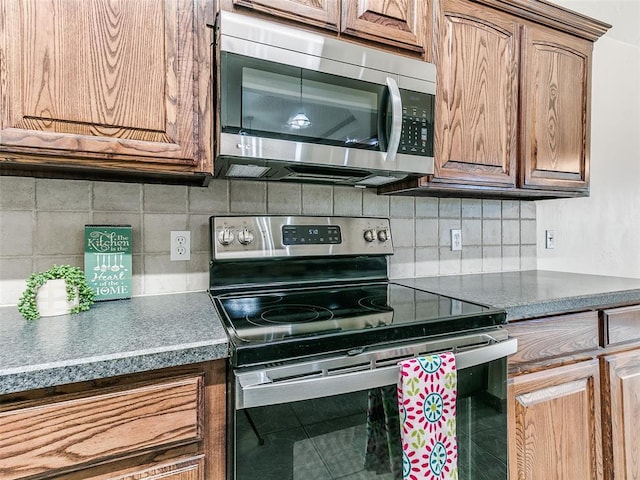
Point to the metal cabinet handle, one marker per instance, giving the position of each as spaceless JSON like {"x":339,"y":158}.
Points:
{"x":271,"y":393}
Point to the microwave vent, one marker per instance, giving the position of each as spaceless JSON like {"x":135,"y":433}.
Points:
{"x":246,"y":171}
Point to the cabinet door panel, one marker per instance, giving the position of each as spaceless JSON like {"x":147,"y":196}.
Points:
{"x":103,"y":80}
{"x":556,"y":110}
{"x":622,"y":402}
{"x":324,"y":13}
{"x":555,"y":424}
{"x":476,"y":113}
{"x":189,"y":468}
{"x":398,"y":22}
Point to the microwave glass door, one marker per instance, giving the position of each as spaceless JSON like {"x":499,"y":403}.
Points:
{"x":266,"y":99}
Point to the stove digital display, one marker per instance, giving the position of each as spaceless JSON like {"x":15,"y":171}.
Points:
{"x":311,"y":234}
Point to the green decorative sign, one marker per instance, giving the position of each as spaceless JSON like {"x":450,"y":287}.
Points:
{"x":107,"y":260}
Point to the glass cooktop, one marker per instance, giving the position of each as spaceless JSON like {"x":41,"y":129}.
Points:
{"x":289,"y":323}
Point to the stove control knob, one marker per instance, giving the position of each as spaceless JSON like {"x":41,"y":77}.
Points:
{"x":383,"y":235}
{"x":370,"y":235}
{"x":245,"y":236}
{"x":225,"y":236}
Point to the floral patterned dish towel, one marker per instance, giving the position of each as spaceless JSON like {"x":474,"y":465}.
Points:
{"x":427,"y":391}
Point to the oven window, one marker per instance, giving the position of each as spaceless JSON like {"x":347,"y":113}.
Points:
{"x":356,"y":435}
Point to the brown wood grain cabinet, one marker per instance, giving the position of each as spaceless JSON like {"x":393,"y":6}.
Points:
{"x":574,"y":396}
{"x":556,"y":113}
{"x":107,"y":87}
{"x":512,"y":103}
{"x":621,"y":394}
{"x":555,"y":428}
{"x":168,"y":425}
{"x":399,"y":24}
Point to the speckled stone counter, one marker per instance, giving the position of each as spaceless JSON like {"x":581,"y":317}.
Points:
{"x":112,"y":338}
{"x":149,"y":333}
{"x":534,"y":293}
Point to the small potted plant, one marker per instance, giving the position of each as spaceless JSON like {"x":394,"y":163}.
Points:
{"x":60,"y":290}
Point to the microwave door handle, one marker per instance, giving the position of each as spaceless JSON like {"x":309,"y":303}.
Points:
{"x":396,"y":119}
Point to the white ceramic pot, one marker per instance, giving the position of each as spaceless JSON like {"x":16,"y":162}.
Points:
{"x":51,"y":299}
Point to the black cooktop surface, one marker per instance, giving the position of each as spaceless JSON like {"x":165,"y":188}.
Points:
{"x":287,"y":323}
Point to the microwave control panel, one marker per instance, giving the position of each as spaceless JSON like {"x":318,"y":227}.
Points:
{"x":417,"y":124}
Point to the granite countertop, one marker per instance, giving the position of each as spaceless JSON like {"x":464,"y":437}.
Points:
{"x":112,"y":338}
{"x":149,"y":333}
{"x":533,"y":293}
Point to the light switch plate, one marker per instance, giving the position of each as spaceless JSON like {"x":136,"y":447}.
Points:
{"x":550,"y":239}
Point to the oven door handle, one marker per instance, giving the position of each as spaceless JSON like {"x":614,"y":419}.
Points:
{"x":252,"y":393}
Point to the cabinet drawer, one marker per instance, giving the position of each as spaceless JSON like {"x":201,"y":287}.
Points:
{"x":553,"y":337}
{"x":620,"y":325}
{"x":63,"y":434}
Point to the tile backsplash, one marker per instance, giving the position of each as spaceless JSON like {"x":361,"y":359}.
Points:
{"x":42,"y":223}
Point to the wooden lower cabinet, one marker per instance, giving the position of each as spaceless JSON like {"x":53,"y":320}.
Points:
{"x":189,"y":468}
{"x":167,"y":424}
{"x":555,"y":426}
{"x":621,"y":400}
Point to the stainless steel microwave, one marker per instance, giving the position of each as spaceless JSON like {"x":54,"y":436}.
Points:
{"x":298,"y":106}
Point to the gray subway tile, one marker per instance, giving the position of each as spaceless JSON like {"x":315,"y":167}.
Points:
{"x":165,"y":198}
{"x":317,"y":199}
{"x":247,"y":197}
{"x":284,"y":198}
{"x":427,"y":207}
{"x":450,"y":208}
{"x":510,"y":209}
{"x":427,"y":261}
{"x":471,"y":208}
{"x":471,"y":232}
{"x":528,"y":210}
{"x":16,"y":233}
{"x":374,"y":205}
{"x":402,"y":207}
{"x":213,"y":199}
{"x":63,"y":195}
{"x":491,"y":208}
{"x":402,"y":263}
{"x":117,"y":197}
{"x":427,"y":232}
{"x":450,"y":261}
{"x":403,"y":232}
{"x":60,"y":233}
{"x":491,"y":232}
{"x":510,"y":232}
{"x":347,"y":201}
{"x":17,"y":193}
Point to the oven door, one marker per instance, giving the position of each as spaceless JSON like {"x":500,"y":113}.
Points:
{"x":322,"y":419}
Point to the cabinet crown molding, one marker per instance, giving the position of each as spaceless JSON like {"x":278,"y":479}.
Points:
{"x":554,"y":16}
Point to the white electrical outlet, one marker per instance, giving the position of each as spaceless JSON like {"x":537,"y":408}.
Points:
{"x":456,"y":239}
{"x":180,"y":245}
{"x":550,"y":239}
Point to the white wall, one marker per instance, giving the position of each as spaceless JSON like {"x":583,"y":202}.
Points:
{"x":601,"y":233}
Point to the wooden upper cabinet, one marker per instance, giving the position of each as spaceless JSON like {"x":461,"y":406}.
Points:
{"x":323,"y":13}
{"x":398,"y":23}
{"x":107,"y":84}
{"x":477,"y":103}
{"x":401,"y":22}
{"x":556,"y":110}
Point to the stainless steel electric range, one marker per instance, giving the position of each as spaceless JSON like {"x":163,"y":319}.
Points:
{"x":317,"y":328}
